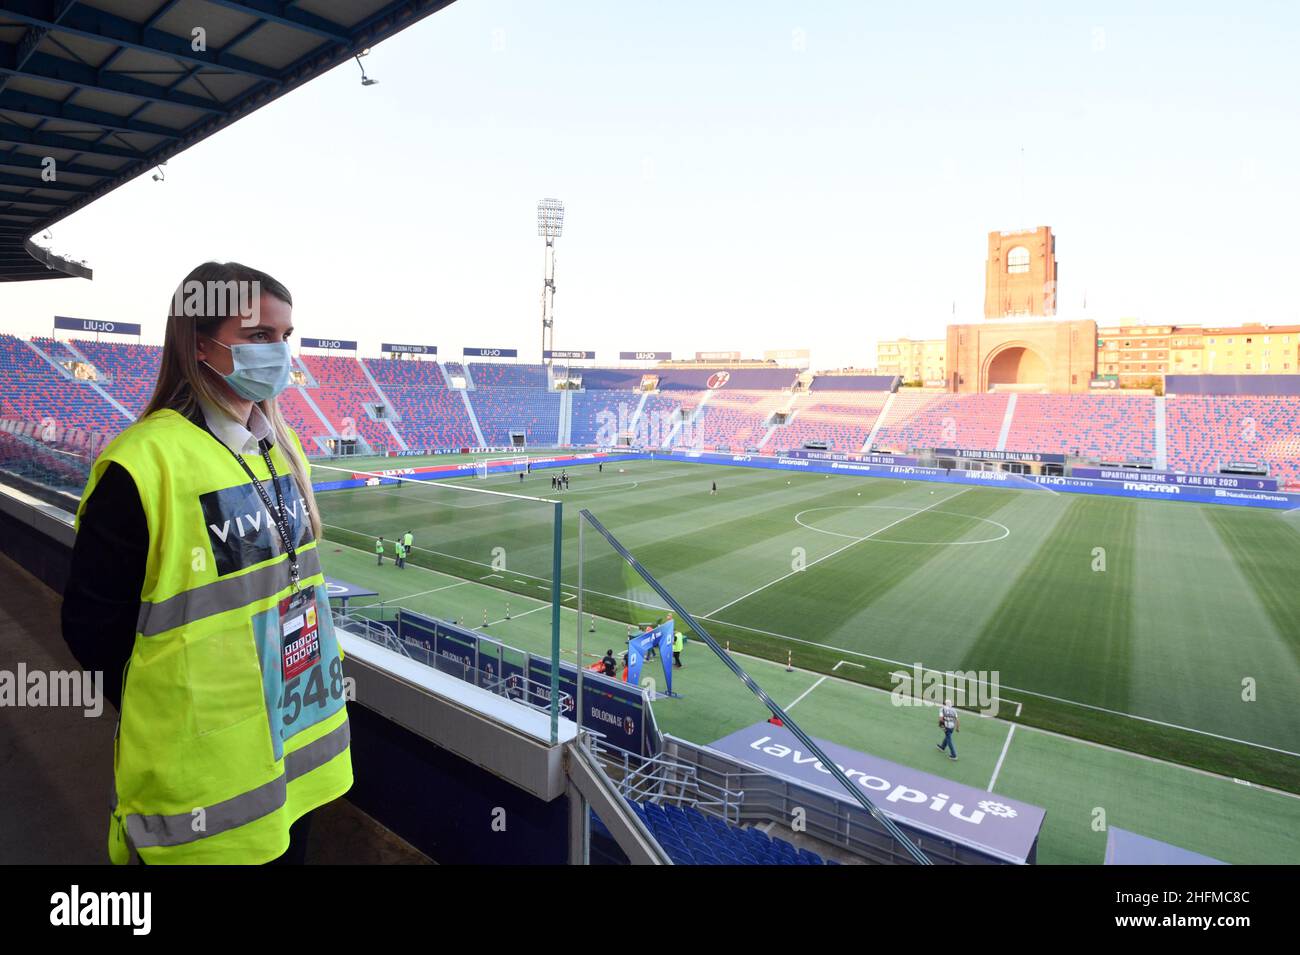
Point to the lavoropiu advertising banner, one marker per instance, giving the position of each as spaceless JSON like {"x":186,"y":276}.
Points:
{"x":990,"y":822}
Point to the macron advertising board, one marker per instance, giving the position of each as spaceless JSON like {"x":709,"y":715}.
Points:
{"x":1241,"y":482}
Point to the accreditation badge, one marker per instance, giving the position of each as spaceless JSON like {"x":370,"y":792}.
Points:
{"x":300,"y":643}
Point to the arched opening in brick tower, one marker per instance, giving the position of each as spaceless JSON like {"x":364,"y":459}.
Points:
{"x":1017,"y":369}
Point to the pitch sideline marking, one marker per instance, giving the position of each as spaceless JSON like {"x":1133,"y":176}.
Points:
{"x":998,"y":768}
{"x":433,"y":591}
{"x":807,"y":691}
{"x":518,"y":615}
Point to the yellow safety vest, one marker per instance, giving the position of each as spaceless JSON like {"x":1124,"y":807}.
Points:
{"x":216,"y":754}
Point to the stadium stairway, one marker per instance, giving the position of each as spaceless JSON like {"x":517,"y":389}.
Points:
{"x":514,"y":398}
{"x":128,"y":372}
{"x":479,"y":440}
{"x":304,"y":416}
{"x":880,"y":420}
{"x":791,"y":408}
{"x":342,"y":395}
{"x":738,"y":420}
{"x":564,"y":430}
{"x":1162,"y":435}
{"x":928,"y":419}
{"x":843,"y":419}
{"x":597,"y":417}
{"x":640,"y":408}
{"x":430,"y":414}
{"x":34,"y":387}
{"x":693,"y":436}
{"x":1007,"y":418}
{"x":384,"y":400}
{"x":1111,"y":428}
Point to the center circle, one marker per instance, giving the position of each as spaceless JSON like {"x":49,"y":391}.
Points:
{"x":1006,"y":531}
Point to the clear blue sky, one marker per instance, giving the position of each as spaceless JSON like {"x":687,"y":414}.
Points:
{"x":736,"y":176}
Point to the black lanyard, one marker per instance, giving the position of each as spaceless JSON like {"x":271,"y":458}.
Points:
{"x":277,"y":514}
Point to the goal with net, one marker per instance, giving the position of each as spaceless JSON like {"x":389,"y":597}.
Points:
{"x":510,"y":465}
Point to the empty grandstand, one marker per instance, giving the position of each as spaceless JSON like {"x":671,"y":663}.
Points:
{"x":926,"y":419}
{"x":387,"y":405}
{"x":843,"y":420}
{"x":1209,"y":432}
{"x":1114,"y":428}
{"x":429,"y":413}
{"x":514,"y":406}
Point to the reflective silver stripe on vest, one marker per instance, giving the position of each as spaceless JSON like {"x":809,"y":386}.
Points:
{"x":222,"y":595}
{"x":242,"y":809}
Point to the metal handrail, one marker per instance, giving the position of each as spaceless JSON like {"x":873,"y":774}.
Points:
{"x":668,"y":780}
{"x":373,"y":630}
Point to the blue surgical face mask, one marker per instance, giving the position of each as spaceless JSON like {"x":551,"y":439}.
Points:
{"x":260,"y":371}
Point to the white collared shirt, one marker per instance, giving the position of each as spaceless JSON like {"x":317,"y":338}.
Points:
{"x":240,"y":438}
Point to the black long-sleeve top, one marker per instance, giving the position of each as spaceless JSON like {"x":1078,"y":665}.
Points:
{"x":101,"y":602}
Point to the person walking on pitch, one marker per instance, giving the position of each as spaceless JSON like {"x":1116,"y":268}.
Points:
{"x":379,"y":552}
{"x":949,"y":723}
{"x":401,"y":554}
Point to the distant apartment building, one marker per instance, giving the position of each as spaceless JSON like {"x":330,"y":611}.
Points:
{"x":1135,"y":352}
{"x":914,"y":360}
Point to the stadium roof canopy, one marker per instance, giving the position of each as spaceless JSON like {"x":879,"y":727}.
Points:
{"x":108,"y":89}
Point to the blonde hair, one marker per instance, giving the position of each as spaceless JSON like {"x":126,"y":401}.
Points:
{"x":182,"y":381}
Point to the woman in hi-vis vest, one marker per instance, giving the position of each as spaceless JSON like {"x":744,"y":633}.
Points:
{"x":196,"y":588}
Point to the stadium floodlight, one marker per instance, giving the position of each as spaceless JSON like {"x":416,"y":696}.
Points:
{"x":550,"y":218}
{"x":550,"y":223}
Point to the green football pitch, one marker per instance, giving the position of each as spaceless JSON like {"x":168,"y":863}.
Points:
{"x":1144,"y":656}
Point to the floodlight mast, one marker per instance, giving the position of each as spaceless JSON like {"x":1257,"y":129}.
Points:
{"x":550,"y":223}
